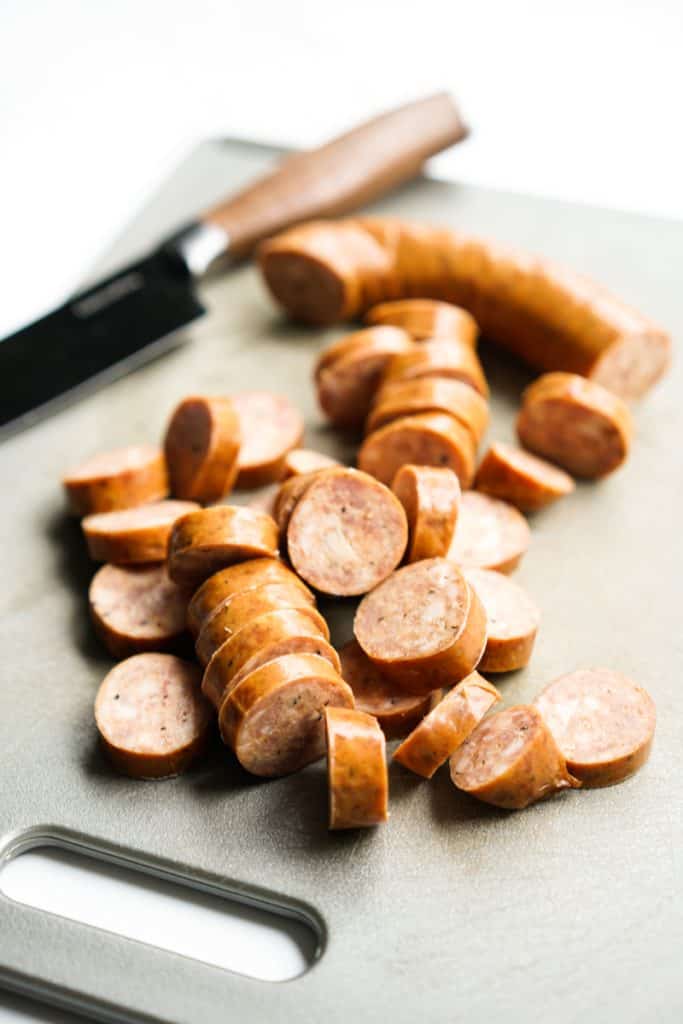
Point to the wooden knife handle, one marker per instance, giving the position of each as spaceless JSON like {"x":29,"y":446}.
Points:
{"x":342,"y":175}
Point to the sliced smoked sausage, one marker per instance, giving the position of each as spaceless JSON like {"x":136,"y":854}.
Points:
{"x":203,"y":542}
{"x":274,"y":719}
{"x":137,"y":608}
{"x":270,"y":427}
{"x":426,"y":318}
{"x":235,"y":612}
{"x":356,"y":769}
{"x":348,"y":373}
{"x":430,"y":439}
{"x":346,"y":533}
{"x":151,"y":715}
{"x":423,"y":627}
{"x":513,"y":620}
{"x":430,"y":394}
{"x":235,"y":578}
{"x":202,"y":444}
{"x":602,"y":722}
{"x":118,"y":479}
{"x":489,"y":534}
{"x":576,"y":423}
{"x":443,"y":357}
{"x":431,"y":499}
{"x":527,"y":482}
{"x":511,"y":760}
{"x":133,"y":535}
{"x":288,"y":631}
{"x":447,"y":725}
{"x":397,"y":712}
{"x":304,"y":460}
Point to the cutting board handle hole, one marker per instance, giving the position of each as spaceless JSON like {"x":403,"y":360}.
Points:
{"x":243,"y":933}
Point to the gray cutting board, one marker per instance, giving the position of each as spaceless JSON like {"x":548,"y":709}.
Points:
{"x":569,"y":911}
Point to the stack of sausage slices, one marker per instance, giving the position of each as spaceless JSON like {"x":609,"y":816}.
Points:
{"x":417,"y":532}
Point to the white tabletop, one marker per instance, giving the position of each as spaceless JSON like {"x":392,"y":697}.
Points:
{"x":98,"y":101}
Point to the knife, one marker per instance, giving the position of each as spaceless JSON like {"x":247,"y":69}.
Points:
{"x":134,"y":314}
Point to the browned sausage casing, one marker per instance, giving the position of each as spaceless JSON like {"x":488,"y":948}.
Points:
{"x":576,"y":423}
{"x":442,"y":357}
{"x":430,"y":394}
{"x":554,"y":319}
{"x":511,"y":760}
{"x":430,"y":439}
{"x":447,"y":726}
{"x":423,"y":627}
{"x":527,"y":482}
{"x":426,"y":318}
{"x":356,"y":769}
{"x":202,"y":444}
{"x":602,"y":722}
{"x":118,"y":479}
{"x":203,"y":542}
{"x":274,"y":719}
{"x":133,"y":535}
{"x":431,"y":498}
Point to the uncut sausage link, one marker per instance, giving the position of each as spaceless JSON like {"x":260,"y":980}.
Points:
{"x":511,"y":760}
{"x":603,"y":723}
{"x":527,"y":482}
{"x":447,"y":726}
{"x":116,"y":480}
{"x":133,"y":535}
{"x":426,"y":318}
{"x":346,"y":533}
{"x":202,"y":444}
{"x":203,"y":542}
{"x":152,"y":718}
{"x":431,"y":499}
{"x":356,"y":769}
{"x":136,"y":609}
{"x":576,"y":423}
{"x":423,"y":627}
{"x":274,"y":719}
{"x":396,"y":711}
{"x":430,"y":439}
{"x":281,"y":632}
{"x":552,"y":318}
{"x":230,"y":581}
{"x":513,"y":620}
{"x":489,"y":534}
{"x":270,"y":427}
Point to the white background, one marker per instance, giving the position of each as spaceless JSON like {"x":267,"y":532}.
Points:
{"x":98,"y":101}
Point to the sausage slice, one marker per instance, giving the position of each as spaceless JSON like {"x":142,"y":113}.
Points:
{"x":513,"y":620}
{"x":423,"y":627}
{"x":356,"y":769}
{"x":602,"y":722}
{"x":305,"y":460}
{"x":397,"y":712}
{"x":137,"y":609}
{"x":235,"y":612}
{"x":228,"y":582}
{"x":511,"y":760}
{"x":447,"y":726}
{"x":347,"y":533}
{"x":117,"y":479}
{"x":426,"y":318}
{"x":287,"y":498}
{"x":133,"y":535}
{"x":576,"y":423}
{"x":203,"y":542}
{"x":431,"y":499}
{"x":202,"y":444}
{"x":490,"y":534}
{"x":274,"y":719}
{"x":527,"y":482}
{"x":443,"y":357}
{"x":430,"y":394}
{"x":431,"y":439}
{"x":270,"y":427}
{"x":288,"y":631}
{"x":348,"y":378}
{"x":151,"y":715}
